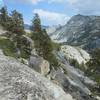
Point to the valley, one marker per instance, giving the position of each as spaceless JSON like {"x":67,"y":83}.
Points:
{"x":58,"y":62}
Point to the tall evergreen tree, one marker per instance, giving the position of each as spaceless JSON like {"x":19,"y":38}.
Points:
{"x":17,"y":27}
{"x":94,"y":63}
{"x":14,"y":25}
{"x":43,"y":43}
{"x":93,"y":70}
{"x":3,"y":16}
{"x":36,"y":24}
{"x":17,"y":21}
{"x":37,"y":35}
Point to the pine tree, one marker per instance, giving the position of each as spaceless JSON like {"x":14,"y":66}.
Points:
{"x":47,"y":45}
{"x":17,"y":22}
{"x":14,"y":25}
{"x":93,"y":70}
{"x":94,"y":63}
{"x":43,"y":43}
{"x":42,"y":40}
{"x":37,"y":35}
{"x":3,"y":16}
{"x":17,"y":27}
{"x":36,"y":24}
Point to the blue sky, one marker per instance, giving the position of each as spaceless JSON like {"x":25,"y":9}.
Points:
{"x":53,"y":12}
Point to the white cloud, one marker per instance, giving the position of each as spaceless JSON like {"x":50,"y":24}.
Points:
{"x":37,"y":1}
{"x":84,"y":7}
{"x":88,"y":7}
{"x":62,"y":1}
{"x":57,"y":1}
{"x":34,"y":1}
{"x":26,"y":1}
{"x":52,"y":17}
{"x":71,"y":1}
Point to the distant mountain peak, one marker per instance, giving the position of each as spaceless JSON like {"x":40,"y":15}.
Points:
{"x":80,"y":30}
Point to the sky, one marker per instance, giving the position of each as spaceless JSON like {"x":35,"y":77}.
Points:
{"x":53,"y":12}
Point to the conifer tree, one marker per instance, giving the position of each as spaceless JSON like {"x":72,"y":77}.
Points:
{"x":3,"y":16}
{"x":94,"y":63}
{"x":18,"y":24}
{"x":43,"y":43}
{"x":37,"y":35}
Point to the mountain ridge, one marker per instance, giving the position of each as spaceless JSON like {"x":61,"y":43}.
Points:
{"x":80,"y":30}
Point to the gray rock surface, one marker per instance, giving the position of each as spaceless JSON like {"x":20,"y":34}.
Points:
{"x":19,"y":82}
{"x":72,"y":80}
{"x":39,"y":64}
{"x":2,"y":31}
{"x":80,"y":30}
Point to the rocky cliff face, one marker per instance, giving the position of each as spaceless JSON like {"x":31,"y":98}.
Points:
{"x":70,"y":52}
{"x":73,"y":80}
{"x":19,"y":82}
{"x":80,"y":30}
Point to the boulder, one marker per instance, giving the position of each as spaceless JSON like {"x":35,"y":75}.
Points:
{"x":39,"y":64}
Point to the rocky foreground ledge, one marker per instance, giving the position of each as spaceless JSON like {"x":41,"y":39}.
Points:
{"x":19,"y":82}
